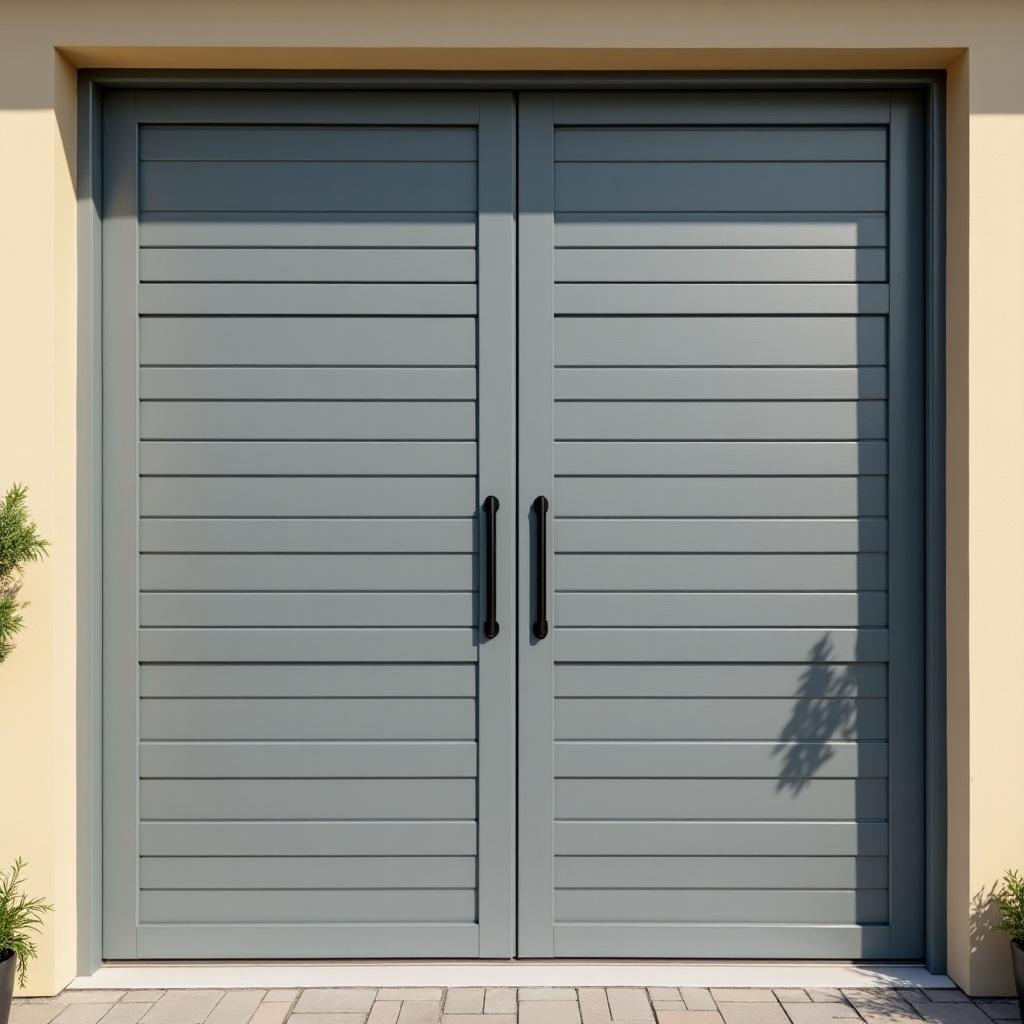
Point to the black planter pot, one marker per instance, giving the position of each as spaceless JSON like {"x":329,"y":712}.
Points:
{"x":1016,"y":952}
{"x":8,"y":965}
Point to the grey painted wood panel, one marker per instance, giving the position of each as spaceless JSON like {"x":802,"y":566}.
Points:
{"x":297,"y":838}
{"x":720,"y":421}
{"x":328,"y":421}
{"x":722,"y":838}
{"x":686,"y":759}
{"x":736,"y":718}
{"x":292,"y":185}
{"x":640,"y":534}
{"x":790,"y":872}
{"x":313,"y":799}
{"x":277,"y":228}
{"x":335,"y":143}
{"x":710,"y":458}
{"x":325,"y":759}
{"x":703,"y":144}
{"x":595,"y":186}
{"x":307,"y":718}
{"x":702,"y":609}
{"x":712,"y":496}
{"x":747,"y":340}
{"x":271,"y":906}
{"x":645,"y":265}
{"x":326,"y":873}
{"x":269,"y":535}
{"x":307,"y":341}
{"x":691,"y":228}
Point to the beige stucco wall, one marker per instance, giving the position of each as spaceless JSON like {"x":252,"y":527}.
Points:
{"x":980,"y":41}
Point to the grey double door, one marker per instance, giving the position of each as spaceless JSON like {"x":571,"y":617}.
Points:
{"x":334,"y":324}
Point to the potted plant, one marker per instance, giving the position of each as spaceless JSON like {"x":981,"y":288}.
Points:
{"x":1009,"y":900}
{"x":20,"y":544}
{"x":20,"y":918}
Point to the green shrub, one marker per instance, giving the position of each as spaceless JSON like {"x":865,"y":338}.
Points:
{"x":1009,"y":900}
{"x":20,"y":918}
{"x":20,"y":544}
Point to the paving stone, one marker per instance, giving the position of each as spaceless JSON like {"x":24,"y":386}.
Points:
{"x":664,"y":995}
{"x":594,"y":1005}
{"x":336,"y":1017}
{"x":270,"y":1013}
{"x":34,"y":1012}
{"x":1000,"y":1009}
{"x":479,"y":1018}
{"x":281,"y":995}
{"x":893,"y":1014}
{"x":743,"y":995}
{"x":668,"y":1004}
{"x":464,"y":1000}
{"x":752,"y":1013}
{"x":126,"y":1013}
{"x":945,"y":995}
{"x":384,"y":1011}
{"x":419,"y":994}
{"x":946,"y":1013}
{"x":85,"y":1013}
{"x":142,"y":995}
{"x":333,"y":1000}
{"x":791,"y":995}
{"x":913,"y":995}
{"x":698,"y":999}
{"x":419,"y":1011}
{"x":558,"y":994}
{"x":500,"y":1000}
{"x":819,"y":1013}
{"x":90,"y":995}
{"x":629,"y":1004}
{"x":184,"y":1006}
{"x":689,"y":1017}
{"x":549,"y":1011}
{"x":237,"y":1006}
{"x":825,"y":995}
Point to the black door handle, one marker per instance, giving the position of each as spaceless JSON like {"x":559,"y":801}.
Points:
{"x":491,"y":626}
{"x":540,"y":623}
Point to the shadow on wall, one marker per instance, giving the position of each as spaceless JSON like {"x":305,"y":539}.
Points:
{"x":825,"y":710}
{"x":984,"y":925}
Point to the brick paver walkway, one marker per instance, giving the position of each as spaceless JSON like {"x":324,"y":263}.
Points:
{"x":515,"y":1006}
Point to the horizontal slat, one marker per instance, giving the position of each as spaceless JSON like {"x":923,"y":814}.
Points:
{"x":719,"y":421}
{"x":309,"y":718}
{"x":637,"y":645}
{"x":313,"y":458}
{"x":310,"y":496}
{"x":270,"y":228}
{"x":798,"y":681}
{"x":722,"y":838}
{"x":322,"y":760}
{"x":307,"y":341}
{"x":372,"y":421}
{"x":714,"y":906}
{"x":710,"y":535}
{"x":324,"y":383}
{"x":326,"y":142}
{"x":618,"y":186}
{"x":645,"y":340}
{"x":721,"y":572}
{"x":689,"y":299}
{"x":197,"y":907}
{"x":318,"y":872}
{"x":720,"y":799}
{"x":310,"y":799}
{"x":795,"y":872}
{"x":387,"y":680}
{"x":719,"y":143}
{"x":728,"y":941}
{"x":749,"y":496}
{"x":829,"y":759}
{"x":290,"y":186}
{"x":711,"y":458}
{"x":668,"y":384}
{"x":718,"y":264}
{"x":297,"y":838}
{"x":709,"y":609}
{"x":816,"y":716}
{"x":320,"y":536}
{"x":306,"y":572}
{"x":306,"y":264}
{"x":308,"y":610}
{"x":317,"y":299}
{"x":307,"y":645}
